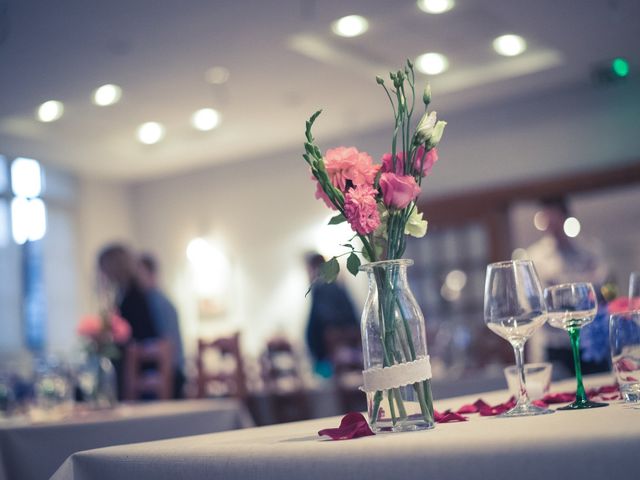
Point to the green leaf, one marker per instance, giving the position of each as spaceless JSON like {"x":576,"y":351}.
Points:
{"x":353,"y":264}
{"x":340,"y":218}
{"x":329,"y":270}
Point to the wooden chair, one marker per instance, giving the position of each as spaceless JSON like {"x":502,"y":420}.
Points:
{"x":148,"y":370}
{"x":344,"y":345}
{"x":220,"y":368}
{"x":283,"y":383}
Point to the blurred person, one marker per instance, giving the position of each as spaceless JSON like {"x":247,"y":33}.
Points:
{"x":165,"y":317}
{"x":558,"y":259}
{"x":331,"y":306}
{"x":118,"y":266}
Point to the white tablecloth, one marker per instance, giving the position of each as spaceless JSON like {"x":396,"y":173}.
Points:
{"x":588,"y":444}
{"x":33,"y":451}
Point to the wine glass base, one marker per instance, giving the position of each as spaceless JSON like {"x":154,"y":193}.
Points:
{"x":579,"y":405}
{"x":525,"y":410}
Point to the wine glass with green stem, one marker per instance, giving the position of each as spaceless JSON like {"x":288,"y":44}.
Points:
{"x":571,"y":306}
{"x":514,"y":309}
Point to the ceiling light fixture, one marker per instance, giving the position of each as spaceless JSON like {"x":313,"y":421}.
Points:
{"x":432,"y":63}
{"x":150,"y":133}
{"x":509,"y":45}
{"x":205,"y":119}
{"x":571,"y":227}
{"x":435,"y":6}
{"x":50,"y":111}
{"x":107,"y":95}
{"x":350,"y":26}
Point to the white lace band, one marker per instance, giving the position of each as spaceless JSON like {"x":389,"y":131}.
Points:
{"x":396,"y":375}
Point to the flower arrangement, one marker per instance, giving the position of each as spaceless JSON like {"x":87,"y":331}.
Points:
{"x":379,"y":200}
{"x":103,"y":332}
{"x":379,"y":203}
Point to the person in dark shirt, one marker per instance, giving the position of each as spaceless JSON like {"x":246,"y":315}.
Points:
{"x":165,"y":317}
{"x":118,"y":266}
{"x":331,"y":306}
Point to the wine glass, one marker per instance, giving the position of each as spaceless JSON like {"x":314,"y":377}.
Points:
{"x":634,"y":291}
{"x":570,"y":306}
{"x":514,"y":309}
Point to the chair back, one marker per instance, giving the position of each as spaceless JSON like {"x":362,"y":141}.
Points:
{"x":148,"y":370}
{"x":283,"y":382}
{"x":344,"y":345}
{"x":221,"y":368}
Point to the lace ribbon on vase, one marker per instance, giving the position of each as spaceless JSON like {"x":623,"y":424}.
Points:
{"x":395,"y":376}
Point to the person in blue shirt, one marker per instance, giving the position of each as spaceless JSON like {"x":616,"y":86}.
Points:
{"x":164,"y":316}
{"x":331,"y":307}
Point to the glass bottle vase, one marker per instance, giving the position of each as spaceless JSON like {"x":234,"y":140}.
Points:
{"x":397,"y":375}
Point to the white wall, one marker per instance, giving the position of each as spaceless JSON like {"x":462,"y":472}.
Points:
{"x":103,"y":216}
{"x":264,"y":213}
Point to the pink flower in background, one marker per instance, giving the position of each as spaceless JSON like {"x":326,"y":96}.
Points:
{"x":361,"y":209}
{"x":348,"y":167}
{"x":398,"y":191}
{"x":429,"y":161}
{"x":120,"y":329}
{"x":90,"y":326}
{"x":94,"y":328}
{"x":623,"y":304}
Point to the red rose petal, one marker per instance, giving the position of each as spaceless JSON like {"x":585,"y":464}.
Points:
{"x":352,"y":425}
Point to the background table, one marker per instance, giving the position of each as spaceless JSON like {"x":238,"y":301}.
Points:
{"x":35,"y":450}
{"x":587,"y":444}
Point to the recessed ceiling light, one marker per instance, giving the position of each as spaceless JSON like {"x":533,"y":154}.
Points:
{"x":350,"y":26}
{"x":205,"y":119}
{"x":571,"y":227}
{"x":150,"y":133}
{"x":435,"y":6}
{"x":107,"y":95}
{"x":217,"y":75}
{"x":509,"y":45}
{"x":432,"y":63}
{"x":50,"y":111}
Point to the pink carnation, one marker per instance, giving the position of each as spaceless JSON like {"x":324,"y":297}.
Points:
{"x":398,"y":191}
{"x":361,"y":210}
{"x":347,"y":167}
{"x":90,"y":326}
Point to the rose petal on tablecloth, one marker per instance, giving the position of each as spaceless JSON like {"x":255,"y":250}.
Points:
{"x":448,"y":416}
{"x":352,"y":425}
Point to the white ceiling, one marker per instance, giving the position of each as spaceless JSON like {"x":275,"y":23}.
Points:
{"x":284,"y":62}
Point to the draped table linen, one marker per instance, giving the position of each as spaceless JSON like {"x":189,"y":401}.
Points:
{"x":587,"y":444}
{"x":33,"y":451}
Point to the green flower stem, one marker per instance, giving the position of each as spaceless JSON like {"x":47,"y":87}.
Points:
{"x":574,"y":335}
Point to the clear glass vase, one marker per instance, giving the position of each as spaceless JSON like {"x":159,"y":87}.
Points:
{"x":98,"y":382}
{"x":397,"y":371}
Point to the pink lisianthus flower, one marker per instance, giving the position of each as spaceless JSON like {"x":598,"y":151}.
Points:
{"x":361,"y":209}
{"x":347,"y":167}
{"x":120,"y":329}
{"x":398,"y":191}
{"x":387,"y":163}
{"x":90,"y":326}
{"x":430,"y":159}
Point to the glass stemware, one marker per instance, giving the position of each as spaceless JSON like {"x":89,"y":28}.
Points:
{"x":514,"y":309}
{"x":634,"y":291}
{"x":570,"y":307}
